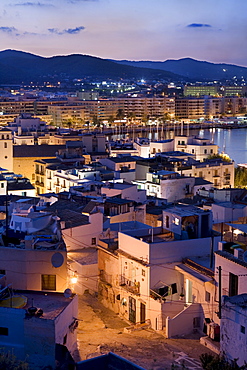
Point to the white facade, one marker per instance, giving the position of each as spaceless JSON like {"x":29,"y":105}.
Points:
{"x":127,"y":191}
{"x":23,"y":140}
{"x":220,"y":174}
{"x":167,"y":185}
{"x":6,"y":149}
{"x":142,"y":146}
{"x":84,"y":236}
{"x":161,"y":146}
{"x":228,"y":211}
{"x":233,"y":328}
{"x":34,"y":338}
{"x":201,"y":148}
{"x":26,"y":268}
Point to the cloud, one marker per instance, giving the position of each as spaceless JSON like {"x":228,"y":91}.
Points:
{"x":9,"y":30}
{"x":33,"y":4}
{"x":79,"y":1}
{"x":70,"y":31}
{"x":198,"y":25}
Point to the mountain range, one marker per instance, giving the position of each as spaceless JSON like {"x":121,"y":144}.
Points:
{"x":18,"y":67}
{"x":193,"y":69}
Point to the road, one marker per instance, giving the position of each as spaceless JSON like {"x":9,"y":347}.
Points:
{"x":101,"y":330}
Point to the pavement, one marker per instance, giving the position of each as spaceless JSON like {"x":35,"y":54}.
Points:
{"x":100,"y":331}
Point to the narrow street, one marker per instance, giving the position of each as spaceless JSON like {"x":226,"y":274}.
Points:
{"x":101,"y":330}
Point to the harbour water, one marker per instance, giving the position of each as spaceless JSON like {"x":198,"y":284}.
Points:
{"x":230,"y":141}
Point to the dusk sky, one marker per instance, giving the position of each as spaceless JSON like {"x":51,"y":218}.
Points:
{"x":212,"y":30}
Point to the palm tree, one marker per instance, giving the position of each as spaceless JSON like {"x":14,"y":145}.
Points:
{"x":120,"y":114}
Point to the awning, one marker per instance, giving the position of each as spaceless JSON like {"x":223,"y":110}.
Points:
{"x":191,"y":274}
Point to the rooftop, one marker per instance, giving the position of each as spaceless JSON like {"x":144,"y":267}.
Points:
{"x":35,"y":151}
{"x":52,"y":304}
{"x":85,"y":256}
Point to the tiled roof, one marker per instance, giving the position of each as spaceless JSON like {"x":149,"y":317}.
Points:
{"x":36,"y":151}
{"x":231,"y":257}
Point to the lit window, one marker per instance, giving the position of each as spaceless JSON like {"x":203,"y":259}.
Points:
{"x":48,"y":282}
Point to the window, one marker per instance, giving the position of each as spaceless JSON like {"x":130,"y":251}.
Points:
{"x":5,"y":145}
{"x":207,"y":296}
{"x":242,"y":329}
{"x":205,"y":151}
{"x":174,"y":288}
{"x":2,"y":185}
{"x":143,"y":272}
{"x":233,"y":284}
{"x":193,"y":151}
{"x":4,"y":331}
{"x":2,"y":272}
{"x":48,"y":282}
{"x":211,"y":151}
{"x":93,"y":241}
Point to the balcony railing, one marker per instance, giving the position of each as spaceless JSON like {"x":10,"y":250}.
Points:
{"x":131,"y":286}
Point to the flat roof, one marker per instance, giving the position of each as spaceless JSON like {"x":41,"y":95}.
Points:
{"x":85,"y":256}
{"x":52,"y":304}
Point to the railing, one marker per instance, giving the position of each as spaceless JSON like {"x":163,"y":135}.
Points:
{"x":131,"y":286}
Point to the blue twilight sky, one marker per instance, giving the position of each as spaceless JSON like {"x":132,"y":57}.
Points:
{"x":212,"y":30}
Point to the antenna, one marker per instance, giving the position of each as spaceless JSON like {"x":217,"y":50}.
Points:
{"x":57,"y":260}
{"x":67,"y":293}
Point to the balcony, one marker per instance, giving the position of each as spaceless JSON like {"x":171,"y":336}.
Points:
{"x":131,"y":286}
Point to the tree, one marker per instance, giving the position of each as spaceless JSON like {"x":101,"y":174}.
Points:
{"x":240,"y":177}
{"x":10,"y":362}
{"x":223,"y":157}
{"x":120,"y":114}
{"x":211,"y":362}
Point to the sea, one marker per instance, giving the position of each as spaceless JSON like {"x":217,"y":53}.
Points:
{"x":230,"y":141}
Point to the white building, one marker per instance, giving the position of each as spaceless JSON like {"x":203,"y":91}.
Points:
{"x":233,"y":328}
{"x":200,"y":147}
{"x":167,"y":185}
{"x":143,"y":278}
{"x":217,"y":171}
{"x":161,"y":146}
{"x":40,"y":330}
{"x":6,"y":149}
{"x":123,"y":189}
{"x":142,"y":146}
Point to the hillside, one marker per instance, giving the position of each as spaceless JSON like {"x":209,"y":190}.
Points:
{"x":18,"y":67}
{"x":193,"y":69}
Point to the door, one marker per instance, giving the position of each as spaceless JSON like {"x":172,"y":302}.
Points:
{"x":188,"y":292}
{"x":142,"y":313}
{"x":132,"y":310}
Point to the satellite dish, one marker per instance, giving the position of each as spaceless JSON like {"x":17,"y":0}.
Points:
{"x":57,"y":259}
{"x":245,"y":256}
{"x":67,"y":293}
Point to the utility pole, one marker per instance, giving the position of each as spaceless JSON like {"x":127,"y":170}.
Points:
{"x":7,"y":215}
{"x":220,"y":269}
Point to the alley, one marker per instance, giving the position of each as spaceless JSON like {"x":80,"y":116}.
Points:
{"x":101,"y":330}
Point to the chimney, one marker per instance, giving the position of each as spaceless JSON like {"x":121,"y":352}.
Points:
{"x":239,"y":253}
